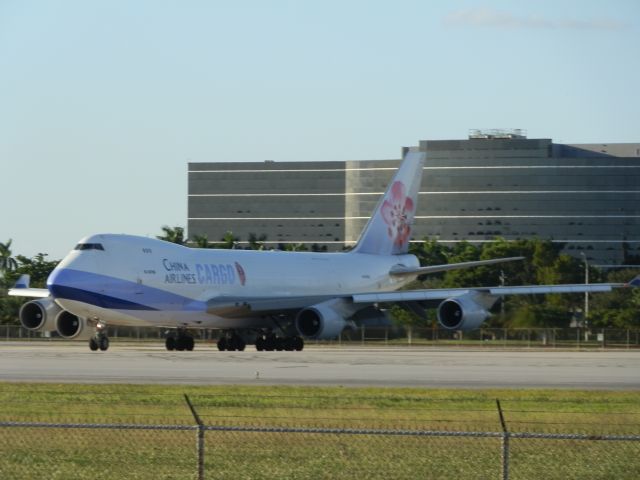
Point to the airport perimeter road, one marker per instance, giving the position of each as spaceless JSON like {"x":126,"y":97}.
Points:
{"x":417,"y":367}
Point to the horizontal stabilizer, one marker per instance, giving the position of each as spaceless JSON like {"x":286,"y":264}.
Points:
{"x":402,"y":271}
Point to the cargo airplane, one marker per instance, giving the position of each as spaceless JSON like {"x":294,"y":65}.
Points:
{"x":272,"y":299}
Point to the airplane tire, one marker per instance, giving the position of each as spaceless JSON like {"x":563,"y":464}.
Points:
{"x":222,"y":344}
{"x":93,"y":344}
{"x":298,"y":344}
{"x":270,"y":343}
{"x":260,"y":341}
{"x":189,"y":343}
{"x":103,"y":343}
{"x":288,"y":344}
{"x":170,"y":343}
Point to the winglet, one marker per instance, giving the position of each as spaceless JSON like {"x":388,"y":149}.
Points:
{"x":23,"y":281}
{"x":22,"y":289}
{"x":635,"y":282}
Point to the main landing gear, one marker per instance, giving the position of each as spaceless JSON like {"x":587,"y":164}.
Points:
{"x":99,"y":341}
{"x":231,"y":342}
{"x":270,"y":342}
{"x":180,"y":341}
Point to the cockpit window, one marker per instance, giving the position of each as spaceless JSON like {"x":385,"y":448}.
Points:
{"x":89,"y":246}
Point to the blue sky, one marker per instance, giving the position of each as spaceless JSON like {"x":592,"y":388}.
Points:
{"x":103,"y":103}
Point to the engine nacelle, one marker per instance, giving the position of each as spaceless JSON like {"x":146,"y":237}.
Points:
{"x":71,"y":326}
{"x":39,"y":315}
{"x":320,"y":322}
{"x":461,"y":313}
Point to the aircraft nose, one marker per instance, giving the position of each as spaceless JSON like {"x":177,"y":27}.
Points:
{"x":61,"y":283}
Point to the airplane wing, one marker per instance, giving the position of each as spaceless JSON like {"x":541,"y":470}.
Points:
{"x":21,"y":289}
{"x":241,"y":307}
{"x":401,"y":270}
{"x":445,"y":293}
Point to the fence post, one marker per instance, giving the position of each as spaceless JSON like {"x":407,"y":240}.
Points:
{"x":505,"y":444}
{"x":200,"y":438}
{"x":578,"y":338}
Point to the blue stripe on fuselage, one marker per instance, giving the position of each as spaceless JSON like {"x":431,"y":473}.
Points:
{"x":94,"y":298}
{"x":114,"y":293}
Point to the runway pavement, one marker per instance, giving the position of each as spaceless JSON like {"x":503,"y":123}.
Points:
{"x":348,"y":366}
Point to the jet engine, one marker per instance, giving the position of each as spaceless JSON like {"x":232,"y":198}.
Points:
{"x":71,"y":326}
{"x":39,"y":315}
{"x":462,"y":313}
{"x":320,"y":322}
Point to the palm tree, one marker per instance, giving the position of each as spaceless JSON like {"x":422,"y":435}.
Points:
{"x":7,"y":262}
{"x":201,"y":241}
{"x":229,"y":241}
{"x":256,"y":242}
{"x":295,"y":247}
{"x":172,"y":234}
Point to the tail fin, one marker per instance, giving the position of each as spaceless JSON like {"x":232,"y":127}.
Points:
{"x":389,"y":228}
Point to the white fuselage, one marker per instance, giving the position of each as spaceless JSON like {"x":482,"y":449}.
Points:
{"x":133,"y":280}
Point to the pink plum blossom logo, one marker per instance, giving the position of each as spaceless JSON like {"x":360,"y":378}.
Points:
{"x":241,"y":274}
{"x":397,"y":211}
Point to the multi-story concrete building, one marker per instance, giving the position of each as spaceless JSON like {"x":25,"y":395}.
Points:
{"x":494,"y":184}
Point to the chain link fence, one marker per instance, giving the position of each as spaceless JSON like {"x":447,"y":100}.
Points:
{"x":101,"y":451}
{"x":541,"y":338}
{"x":232,"y":448}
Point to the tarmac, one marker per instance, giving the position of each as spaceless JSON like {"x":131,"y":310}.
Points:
{"x":429,"y":367}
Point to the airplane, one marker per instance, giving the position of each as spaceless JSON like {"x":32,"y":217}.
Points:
{"x":272,"y":299}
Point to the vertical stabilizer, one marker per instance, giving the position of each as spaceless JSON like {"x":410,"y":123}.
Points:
{"x":389,"y":228}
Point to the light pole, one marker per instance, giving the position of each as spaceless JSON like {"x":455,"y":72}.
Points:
{"x":503,"y":278}
{"x":586,"y":294}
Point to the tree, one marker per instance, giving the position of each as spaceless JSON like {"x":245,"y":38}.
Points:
{"x":228,"y":241}
{"x":295,"y":247}
{"x":201,"y":241}
{"x":7,"y":262}
{"x":172,"y":234}
{"x":540,"y":316}
{"x":256,"y":242}
{"x":430,"y":252}
{"x":619,"y":308}
{"x":38,"y":268}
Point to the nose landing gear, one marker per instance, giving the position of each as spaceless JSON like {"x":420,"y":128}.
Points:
{"x":99,"y":342}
